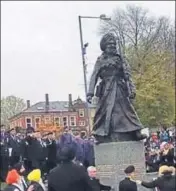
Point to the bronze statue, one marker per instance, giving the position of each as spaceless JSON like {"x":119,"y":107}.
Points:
{"x":115,"y":118}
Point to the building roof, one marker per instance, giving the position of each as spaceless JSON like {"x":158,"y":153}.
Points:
{"x":54,"y":106}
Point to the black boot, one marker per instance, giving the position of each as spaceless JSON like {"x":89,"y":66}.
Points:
{"x":101,"y":139}
{"x":140,"y":136}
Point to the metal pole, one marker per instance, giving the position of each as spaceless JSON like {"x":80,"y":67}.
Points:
{"x":84,"y":71}
{"x":83,"y":58}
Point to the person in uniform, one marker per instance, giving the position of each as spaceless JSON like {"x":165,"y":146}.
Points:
{"x":13,"y":147}
{"x":52,"y":150}
{"x":128,"y":184}
{"x":35,"y":155}
{"x":44,"y":157}
{"x":26,"y":149}
{"x":4,"y":156}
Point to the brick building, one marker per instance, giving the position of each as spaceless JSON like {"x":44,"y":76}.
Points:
{"x":73,"y":114}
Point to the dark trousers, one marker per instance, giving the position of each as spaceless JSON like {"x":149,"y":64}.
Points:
{"x":13,"y":160}
{"x":28,"y":165}
{"x":50,"y":165}
{"x":4,"y":167}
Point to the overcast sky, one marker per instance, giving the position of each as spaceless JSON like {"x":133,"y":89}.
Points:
{"x":40,"y":45}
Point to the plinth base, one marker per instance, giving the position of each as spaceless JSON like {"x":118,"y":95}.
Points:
{"x":111,"y":159}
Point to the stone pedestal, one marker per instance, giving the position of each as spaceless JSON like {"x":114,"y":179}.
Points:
{"x":112,"y":158}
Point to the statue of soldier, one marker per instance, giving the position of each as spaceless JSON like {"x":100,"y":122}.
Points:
{"x":115,"y":118}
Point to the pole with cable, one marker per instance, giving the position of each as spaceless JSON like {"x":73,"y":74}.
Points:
{"x":82,"y":54}
{"x":84,"y":71}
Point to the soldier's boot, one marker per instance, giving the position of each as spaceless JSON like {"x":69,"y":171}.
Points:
{"x":140,"y":136}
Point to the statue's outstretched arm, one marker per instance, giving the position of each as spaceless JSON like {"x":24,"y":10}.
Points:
{"x":94,"y":78}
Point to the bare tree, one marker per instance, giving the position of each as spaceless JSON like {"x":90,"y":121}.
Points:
{"x":140,"y":33}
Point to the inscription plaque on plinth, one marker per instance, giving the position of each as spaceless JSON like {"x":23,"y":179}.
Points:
{"x":112,"y":158}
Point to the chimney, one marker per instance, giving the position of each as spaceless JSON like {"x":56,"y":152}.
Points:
{"x":46,"y":102}
{"x":70,"y":104}
{"x":28,"y":104}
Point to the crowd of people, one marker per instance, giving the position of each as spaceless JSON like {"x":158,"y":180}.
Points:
{"x":70,"y":176}
{"x":27,"y":161}
{"x":160,"y":150}
{"x":38,"y":151}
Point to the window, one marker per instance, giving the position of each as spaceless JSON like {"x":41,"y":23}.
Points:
{"x":28,"y":122}
{"x":81,"y":112}
{"x":19,"y":124}
{"x":65,"y":121}
{"x":73,"y":121}
{"x":82,"y":123}
{"x":57,"y":121}
{"x":12,"y":125}
{"x":47,"y":120}
{"x":37,"y":122}
{"x":15,"y":123}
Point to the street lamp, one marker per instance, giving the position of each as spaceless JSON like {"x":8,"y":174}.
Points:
{"x":83,"y":49}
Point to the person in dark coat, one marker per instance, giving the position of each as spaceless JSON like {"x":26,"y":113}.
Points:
{"x":128,"y":184}
{"x":167,"y":155}
{"x":66,"y":139}
{"x":95,"y":182}
{"x":35,"y":154}
{"x":52,"y":150}
{"x":79,"y":147}
{"x":44,"y":159}
{"x":68,"y":176}
{"x":89,"y":156}
{"x":166,"y":182}
{"x":4,"y":161}
{"x":26,"y":149}
{"x":13,"y":145}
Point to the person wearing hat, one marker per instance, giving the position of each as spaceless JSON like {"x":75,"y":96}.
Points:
{"x":128,"y":184}
{"x":44,"y":154}
{"x":19,"y":167}
{"x":52,"y":150}
{"x":36,"y":155}
{"x":13,"y":181}
{"x":165,"y":182}
{"x":35,"y":180}
{"x":13,"y":147}
{"x":26,"y":148}
{"x":34,"y":150}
